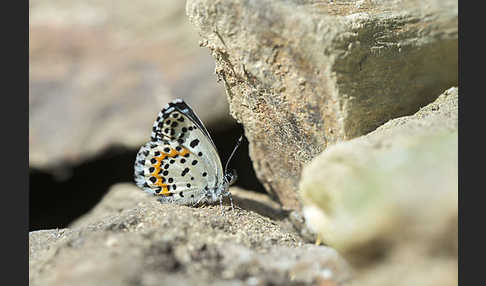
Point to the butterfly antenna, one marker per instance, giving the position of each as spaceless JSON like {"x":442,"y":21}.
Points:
{"x":232,"y":153}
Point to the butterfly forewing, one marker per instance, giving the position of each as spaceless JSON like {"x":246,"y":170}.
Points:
{"x":160,"y":130}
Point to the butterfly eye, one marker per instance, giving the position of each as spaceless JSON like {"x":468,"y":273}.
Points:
{"x":230,"y":178}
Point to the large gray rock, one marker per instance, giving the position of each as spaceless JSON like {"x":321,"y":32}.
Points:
{"x":134,"y":240}
{"x":302,"y":75}
{"x":388,"y":201}
{"x":100,"y":72}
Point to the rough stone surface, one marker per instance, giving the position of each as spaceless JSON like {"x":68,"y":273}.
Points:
{"x":124,"y":196}
{"x":99,"y":72}
{"x":302,"y":75}
{"x":388,"y":201}
{"x":143,"y":242}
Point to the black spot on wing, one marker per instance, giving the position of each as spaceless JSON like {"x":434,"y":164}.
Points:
{"x":184,"y":172}
{"x":194,"y":143}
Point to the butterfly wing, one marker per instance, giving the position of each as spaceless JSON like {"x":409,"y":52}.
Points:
{"x":180,"y":163}
{"x":164,"y":127}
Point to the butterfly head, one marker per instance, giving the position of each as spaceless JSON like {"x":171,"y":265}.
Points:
{"x":230,"y":177}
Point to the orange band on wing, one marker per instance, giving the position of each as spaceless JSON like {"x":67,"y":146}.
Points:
{"x":171,"y":154}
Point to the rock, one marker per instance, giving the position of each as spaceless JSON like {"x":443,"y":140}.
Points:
{"x":124,"y":196}
{"x":303,"y":75}
{"x":120,"y":197}
{"x":144,"y":242}
{"x":99,"y":74}
{"x":388,"y":201}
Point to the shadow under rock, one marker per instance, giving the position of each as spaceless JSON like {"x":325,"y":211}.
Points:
{"x":262,"y":208}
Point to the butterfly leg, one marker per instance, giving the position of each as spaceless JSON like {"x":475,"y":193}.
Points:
{"x":198,"y":201}
{"x":221,"y":204}
{"x":231,"y":200}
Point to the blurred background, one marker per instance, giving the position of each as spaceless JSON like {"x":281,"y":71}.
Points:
{"x":100,"y":71}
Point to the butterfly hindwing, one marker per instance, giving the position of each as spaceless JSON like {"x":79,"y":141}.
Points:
{"x":180,"y":162}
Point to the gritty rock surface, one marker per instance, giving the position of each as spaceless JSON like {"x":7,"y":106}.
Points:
{"x":99,"y":73}
{"x":303,"y":75}
{"x":389,"y":200}
{"x":143,"y":242}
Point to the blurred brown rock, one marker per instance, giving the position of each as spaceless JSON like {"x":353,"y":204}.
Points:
{"x":100,"y":71}
{"x":302,"y":75}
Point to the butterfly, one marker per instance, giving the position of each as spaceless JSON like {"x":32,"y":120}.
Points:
{"x":180,"y":164}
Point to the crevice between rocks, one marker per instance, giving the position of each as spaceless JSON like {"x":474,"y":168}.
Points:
{"x":55,"y":200}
